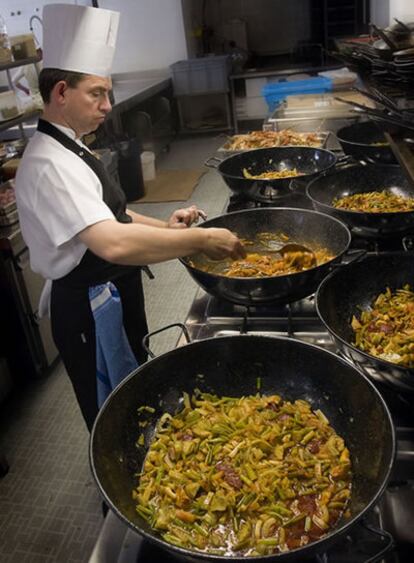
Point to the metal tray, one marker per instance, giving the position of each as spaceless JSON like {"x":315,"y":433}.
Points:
{"x":321,"y":135}
{"x":9,"y":219}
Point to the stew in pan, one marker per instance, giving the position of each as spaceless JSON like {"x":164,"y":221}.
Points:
{"x":386,"y":330}
{"x":375,"y":202}
{"x":251,"y":475}
{"x":261,"y":261}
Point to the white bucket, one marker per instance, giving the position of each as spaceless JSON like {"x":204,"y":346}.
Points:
{"x":148,"y":165}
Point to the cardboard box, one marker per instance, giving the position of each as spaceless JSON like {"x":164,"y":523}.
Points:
{"x":9,"y":105}
{"x":5,"y":55}
{"x":23,"y":46}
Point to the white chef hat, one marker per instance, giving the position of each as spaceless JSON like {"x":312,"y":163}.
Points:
{"x":79,"y":38}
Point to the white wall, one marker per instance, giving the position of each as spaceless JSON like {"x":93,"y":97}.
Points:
{"x":380,"y":12}
{"x":151,"y":34}
{"x":17,"y":13}
{"x":402,"y":10}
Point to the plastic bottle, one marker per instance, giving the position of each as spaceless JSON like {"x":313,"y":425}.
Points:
{"x":5,"y":48}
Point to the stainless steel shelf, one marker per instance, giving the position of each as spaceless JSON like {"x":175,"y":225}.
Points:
{"x":4,"y":125}
{"x":22,"y":62}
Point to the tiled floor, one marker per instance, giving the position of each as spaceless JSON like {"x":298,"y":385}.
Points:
{"x":50,"y":510}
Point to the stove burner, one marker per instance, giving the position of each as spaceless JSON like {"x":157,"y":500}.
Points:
{"x":292,"y":198}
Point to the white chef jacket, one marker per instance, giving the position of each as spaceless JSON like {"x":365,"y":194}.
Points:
{"x":58,"y":195}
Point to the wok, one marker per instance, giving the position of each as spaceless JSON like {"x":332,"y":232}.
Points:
{"x":308,"y":162}
{"x":230,"y":366}
{"x":300,"y":225}
{"x":358,"y":179}
{"x":345,"y":292}
{"x":357,"y":140}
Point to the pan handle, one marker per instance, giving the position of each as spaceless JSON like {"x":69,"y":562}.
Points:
{"x":345,"y":160}
{"x":145,"y":340}
{"x":351,"y":256}
{"x":408,"y":244}
{"x":213,"y":162}
{"x":386,"y":537}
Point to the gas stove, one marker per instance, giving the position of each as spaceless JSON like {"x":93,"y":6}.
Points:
{"x":386,"y":534}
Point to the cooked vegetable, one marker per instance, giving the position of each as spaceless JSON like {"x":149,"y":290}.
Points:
{"x":387,"y":329}
{"x":269,"y":139}
{"x":375,"y":202}
{"x":262,"y":262}
{"x":272,"y":174}
{"x":252,"y":475}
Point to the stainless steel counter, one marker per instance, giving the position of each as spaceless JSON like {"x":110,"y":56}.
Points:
{"x":137,"y":99}
{"x":131,"y":88}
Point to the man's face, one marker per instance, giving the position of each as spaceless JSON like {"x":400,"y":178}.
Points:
{"x":87,"y":105}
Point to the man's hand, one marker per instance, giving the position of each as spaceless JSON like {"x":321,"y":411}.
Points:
{"x":183,"y":218}
{"x":221,"y":243}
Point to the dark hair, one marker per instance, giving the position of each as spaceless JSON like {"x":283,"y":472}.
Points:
{"x":49,"y":77}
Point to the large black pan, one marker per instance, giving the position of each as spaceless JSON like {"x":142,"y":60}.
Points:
{"x":303,"y":226}
{"x":307,"y":161}
{"x":345,"y":292}
{"x":230,"y":366}
{"x":359,"y":140}
{"x":360,"y":179}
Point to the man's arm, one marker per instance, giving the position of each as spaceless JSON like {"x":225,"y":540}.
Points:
{"x":181,"y":218}
{"x":144,"y":220}
{"x":139,"y":244}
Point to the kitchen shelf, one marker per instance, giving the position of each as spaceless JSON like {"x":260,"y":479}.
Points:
{"x":4,"y":125}
{"x":185,"y":109}
{"x":22,"y":62}
{"x":26,"y":116}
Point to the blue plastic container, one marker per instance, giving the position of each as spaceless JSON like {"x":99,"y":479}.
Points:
{"x":275,"y":93}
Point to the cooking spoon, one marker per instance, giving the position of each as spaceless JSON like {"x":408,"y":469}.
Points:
{"x":274,"y":247}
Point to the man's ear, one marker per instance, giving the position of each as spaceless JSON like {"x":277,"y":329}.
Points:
{"x":59,"y":91}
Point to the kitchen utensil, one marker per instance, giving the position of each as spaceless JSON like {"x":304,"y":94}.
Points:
{"x":395,"y":121}
{"x":346,"y":292}
{"x":231,"y":366}
{"x":273,"y":247}
{"x":361,"y":179}
{"x":310,"y":228}
{"x":383,"y":35}
{"x":307,"y":161}
{"x":361,"y":139}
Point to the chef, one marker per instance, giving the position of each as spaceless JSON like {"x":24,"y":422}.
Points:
{"x":80,"y":235}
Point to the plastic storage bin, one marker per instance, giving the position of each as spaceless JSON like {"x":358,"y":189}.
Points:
{"x":277,"y":92}
{"x":23,"y":46}
{"x":198,"y":76}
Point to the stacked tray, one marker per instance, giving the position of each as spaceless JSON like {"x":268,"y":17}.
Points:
{"x":8,"y":208}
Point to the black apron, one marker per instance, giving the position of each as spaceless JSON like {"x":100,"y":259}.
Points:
{"x":73,"y":326}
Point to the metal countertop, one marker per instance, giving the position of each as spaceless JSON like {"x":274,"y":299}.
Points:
{"x":131,"y":88}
